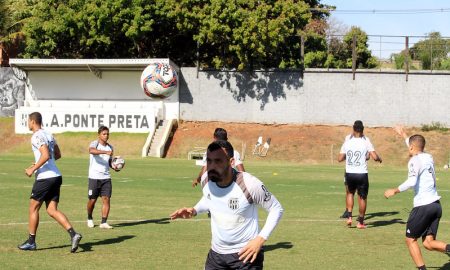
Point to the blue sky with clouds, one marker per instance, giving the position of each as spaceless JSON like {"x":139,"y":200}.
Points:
{"x":418,"y":24}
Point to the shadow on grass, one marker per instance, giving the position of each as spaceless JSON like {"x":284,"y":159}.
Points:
{"x":380,"y":214}
{"x":444,"y":267}
{"x":86,"y":247}
{"x":381,"y":223}
{"x":283,"y":245}
{"x":141,"y":222}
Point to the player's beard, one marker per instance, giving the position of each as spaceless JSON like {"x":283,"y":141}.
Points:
{"x":215,"y":176}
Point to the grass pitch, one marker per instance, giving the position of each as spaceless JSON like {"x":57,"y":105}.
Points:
{"x":309,"y":236}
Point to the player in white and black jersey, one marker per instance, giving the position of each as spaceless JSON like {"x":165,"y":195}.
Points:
{"x":423,"y":221}
{"x":46,"y":187}
{"x":220,"y":134}
{"x":233,"y":198}
{"x":100,"y":156}
{"x":355,"y":151}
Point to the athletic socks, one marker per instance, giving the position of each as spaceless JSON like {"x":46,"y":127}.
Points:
{"x":423,"y":267}
{"x":104,"y":219}
{"x":349,"y":214}
{"x":361,"y":219}
{"x":31,"y":238}
{"x":447,"y":248}
{"x":72,"y":232}
{"x":90,"y":216}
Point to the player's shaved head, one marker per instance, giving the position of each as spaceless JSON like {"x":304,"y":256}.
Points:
{"x":36,"y":117}
{"x":418,"y":141}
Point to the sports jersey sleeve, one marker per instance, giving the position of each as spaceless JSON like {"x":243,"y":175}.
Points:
{"x":413,"y":174}
{"x":369,"y":145}
{"x":93,"y":144}
{"x":201,"y":206}
{"x":261,"y":196}
{"x":342,"y":149}
{"x":38,"y":140}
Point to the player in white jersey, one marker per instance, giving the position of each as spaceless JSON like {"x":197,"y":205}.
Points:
{"x":100,"y":156}
{"x":232,"y":198}
{"x":355,"y":151}
{"x":220,"y":134}
{"x":423,"y":221}
{"x":46,"y":187}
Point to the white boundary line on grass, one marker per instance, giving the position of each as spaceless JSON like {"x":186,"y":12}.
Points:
{"x":196,"y":220}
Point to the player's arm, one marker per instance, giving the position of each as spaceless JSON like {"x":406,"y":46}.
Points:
{"x":95,"y":151}
{"x":189,"y":212}
{"x":197,"y":180}
{"x":57,"y":152}
{"x":400,"y":130}
{"x":375,"y":156}
{"x":413,"y":175}
{"x":240,"y":167}
{"x":45,"y":156}
{"x":341,"y":156}
{"x":266,"y":200}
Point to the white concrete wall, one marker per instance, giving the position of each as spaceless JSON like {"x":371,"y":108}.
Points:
{"x":378,"y":99}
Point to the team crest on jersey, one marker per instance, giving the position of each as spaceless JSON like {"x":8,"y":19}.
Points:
{"x":233,"y":203}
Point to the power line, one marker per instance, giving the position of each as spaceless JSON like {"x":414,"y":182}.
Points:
{"x":383,"y":11}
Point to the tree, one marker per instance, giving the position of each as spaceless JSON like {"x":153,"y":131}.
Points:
{"x":432,"y":52}
{"x":243,"y":34}
{"x":364,"y":58}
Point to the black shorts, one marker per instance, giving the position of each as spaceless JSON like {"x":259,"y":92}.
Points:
{"x":216,"y":261}
{"x":47,"y":189}
{"x":358,"y":182}
{"x":424,"y":220}
{"x":99,"y":187}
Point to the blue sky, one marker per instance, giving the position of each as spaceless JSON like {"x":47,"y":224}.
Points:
{"x":393,"y":24}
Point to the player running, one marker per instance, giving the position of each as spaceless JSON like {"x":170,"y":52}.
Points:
{"x":232,"y":198}
{"x":355,"y":152}
{"x":423,"y":221}
{"x":46,"y":187}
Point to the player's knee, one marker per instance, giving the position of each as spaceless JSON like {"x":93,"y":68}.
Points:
{"x":409,"y":241}
{"x":51,"y":212}
{"x":427,"y":244}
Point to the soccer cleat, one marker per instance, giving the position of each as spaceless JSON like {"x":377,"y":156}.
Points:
{"x":75,"y":241}
{"x":349,"y":221}
{"x":105,"y":226}
{"x":27,"y":246}
{"x":90,"y":223}
{"x":345,"y":214}
{"x":361,"y":225}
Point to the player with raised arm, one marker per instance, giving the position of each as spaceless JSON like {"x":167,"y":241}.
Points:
{"x":232,"y":198}
{"x":46,"y":187}
{"x":423,"y":221}
{"x":355,"y":152}
{"x":100,"y":157}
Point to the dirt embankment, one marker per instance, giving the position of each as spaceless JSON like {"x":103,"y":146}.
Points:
{"x":306,"y":144}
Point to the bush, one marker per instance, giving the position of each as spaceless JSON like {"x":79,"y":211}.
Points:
{"x":434,"y":126}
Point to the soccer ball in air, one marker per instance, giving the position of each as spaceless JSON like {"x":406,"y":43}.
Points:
{"x":117,"y":163}
{"x":159,"y":80}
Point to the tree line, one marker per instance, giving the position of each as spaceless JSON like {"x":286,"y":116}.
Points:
{"x":217,"y":34}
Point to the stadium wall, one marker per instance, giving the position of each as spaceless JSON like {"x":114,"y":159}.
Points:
{"x":321,"y":97}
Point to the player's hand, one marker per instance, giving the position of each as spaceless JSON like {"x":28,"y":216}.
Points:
{"x":29,"y":171}
{"x":390,"y":192}
{"x":400,"y":131}
{"x":251,"y":250}
{"x":184,"y":213}
{"x":195,"y":182}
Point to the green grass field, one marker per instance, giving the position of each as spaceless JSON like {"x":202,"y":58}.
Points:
{"x":309,"y":236}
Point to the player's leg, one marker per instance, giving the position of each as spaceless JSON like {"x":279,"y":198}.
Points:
{"x":51,"y":201}
{"x":106,"y":192}
{"x":38,"y":193}
{"x":93,"y":193}
{"x":434,"y":211}
{"x":414,"y":251}
{"x":430,"y":243}
{"x":363,"y":192}
{"x":33,"y":223}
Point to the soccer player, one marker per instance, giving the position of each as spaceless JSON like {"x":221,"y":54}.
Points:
{"x":46,"y":187}
{"x":100,"y":157}
{"x":220,"y":134}
{"x":423,"y":221}
{"x":355,"y":151}
{"x":232,"y":198}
